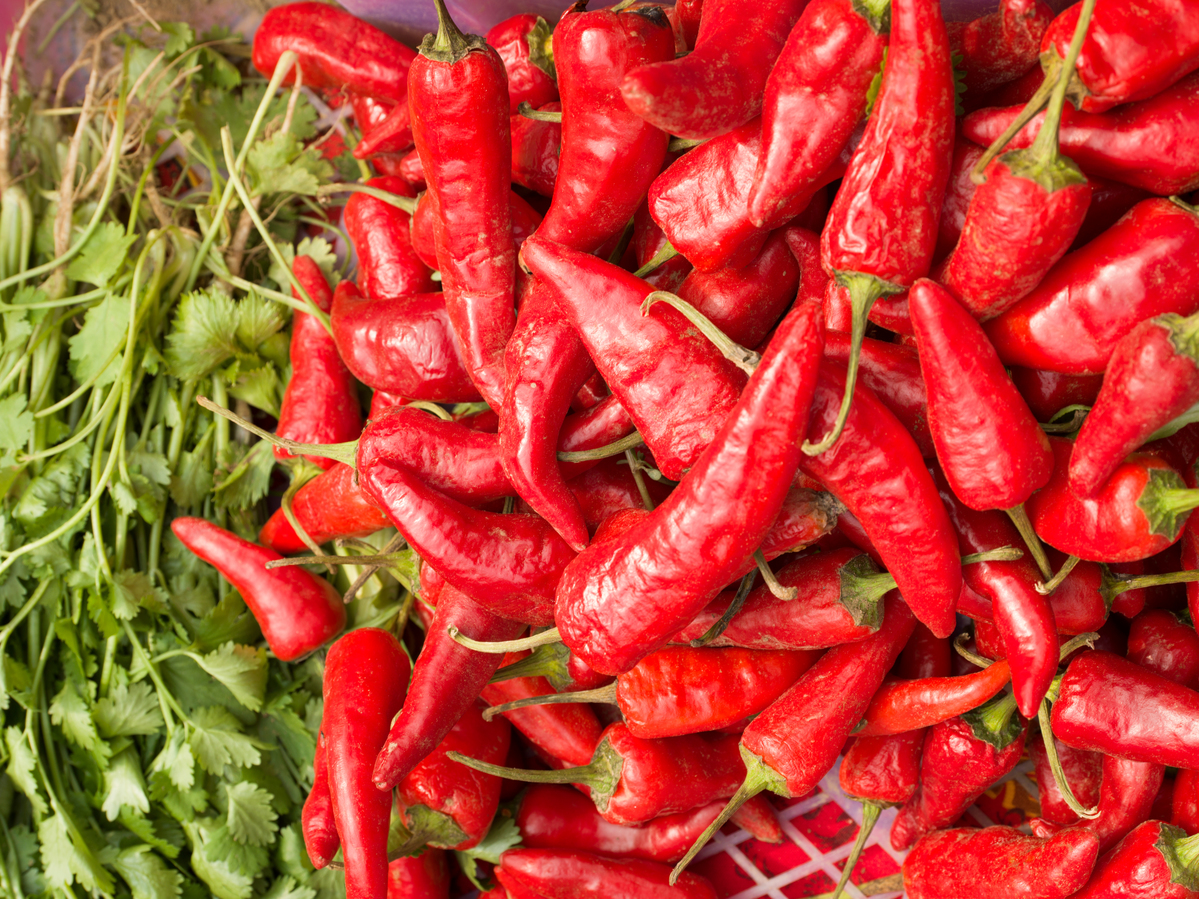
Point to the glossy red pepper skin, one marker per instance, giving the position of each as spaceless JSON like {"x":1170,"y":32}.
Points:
{"x":955,"y":767}
{"x":827,"y":612}
{"x":563,"y":735}
{"x":563,"y":874}
{"x":906,"y":705}
{"x":877,"y":470}
{"x":680,"y":690}
{"x":1164,"y":644}
{"x":1150,"y":144}
{"x":814,"y":98}
{"x":883,"y":769}
{"x":997,"y":863}
{"x":1127,"y":790}
{"x":330,"y":505}
{"x":427,"y":876}
{"x":1152,"y":378}
{"x":609,"y":488}
{"x":320,"y":830}
{"x":366,"y":677}
{"x":1108,"y":704}
{"x":1131,"y":51}
{"x":385,"y":126}
{"x":297,"y":611}
{"x":1185,"y":811}
{"x":320,"y":402}
{"x":1124,"y":522}
{"x":1147,"y":863}
{"x":446,"y":681}
{"x":337,"y":51}
{"x":620,"y":601}
{"x":458,"y":98}
{"x":447,"y":803}
{"x":1084,"y":772}
{"x":673,"y":382}
{"x":535,"y":147}
{"x":404,"y":345}
{"x":719,"y":85}
{"x":1000,"y":47}
{"x":388,"y":266}
{"x":522,"y":42}
{"x":958,"y":194}
{"x":1048,"y":392}
{"x":801,"y":734}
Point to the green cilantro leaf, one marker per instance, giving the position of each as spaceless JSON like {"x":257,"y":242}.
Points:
{"x":241,"y":485}
{"x":129,"y":710}
{"x":72,"y":713}
{"x":287,"y":888}
{"x":130,"y":591}
{"x":148,"y":876}
{"x":179,"y":37}
{"x":258,"y":318}
{"x":16,"y":424}
{"x":240,"y":668}
{"x":124,"y":785}
{"x":66,"y":858}
{"x":177,"y":762}
{"x":96,"y":349}
{"x":503,"y":835}
{"x":217,"y":741}
{"x":229,"y":619}
{"x":225,"y":881}
{"x":250,"y":817}
{"x":318,"y":248}
{"x":102,"y":255}
{"x":282,"y":164}
{"x":21,"y":765}
{"x":261,"y":388}
{"x":203,"y":334}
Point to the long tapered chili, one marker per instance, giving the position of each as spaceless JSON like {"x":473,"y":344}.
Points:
{"x":882,"y":227}
{"x":297,"y":611}
{"x":366,"y":677}
{"x":563,"y":874}
{"x":904,"y":705}
{"x":316,"y":820}
{"x":740,"y":483}
{"x":458,"y":97}
{"x":446,"y":681}
{"x":1000,"y":47}
{"x":388,"y":266}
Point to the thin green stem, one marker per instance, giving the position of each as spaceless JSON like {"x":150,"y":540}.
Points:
{"x":500,"y":648}
{"x":1019,"y":518}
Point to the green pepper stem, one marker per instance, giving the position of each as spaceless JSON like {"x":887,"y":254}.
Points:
{"x":379,"y":559}
{"x":505,"y":646}
{"x":543,"y":662}
{"x":995,"y":717}
{"x":339,"y":452}
{"x":1019,"y":517}
{"x":679,"y":144}
{"x":663,"y":255}
{"x":743,"y":590}
{"x":777,"y":590}
{"x":605,"y":694}
{"x":970,"y":656}
{"x":583,"y":774}
{"x":526,"y":109}
{"x":744,"y":359}
{"x":449,"y":44}
{"x":1075,"y":643}
{"x":1045,"y":146}
{"x":1047,"y":588}
{"x":1055,"y":765}
{"x":1035,"y":104}
{"x":870,"y":813}
{"x":603,"y":452}
{"x":1114,"y":585}
{"x":1187,"y":850}
{"x":647,"y":501}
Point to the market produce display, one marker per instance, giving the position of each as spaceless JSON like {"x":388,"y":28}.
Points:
{"x":499,"y":465}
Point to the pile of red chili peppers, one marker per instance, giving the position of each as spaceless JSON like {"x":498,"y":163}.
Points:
{"x":794,"y":337}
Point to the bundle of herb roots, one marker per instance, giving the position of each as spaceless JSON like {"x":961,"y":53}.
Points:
{"x":151,"y":747}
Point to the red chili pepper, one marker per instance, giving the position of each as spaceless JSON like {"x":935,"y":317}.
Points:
{"x":840,"y":601}
{"x":648,"y":241}
{"x":297,"y":611}
{"x":404,"y":345}
{"x":562,"y":874}
{"x":1139,"y":512}
{"x":1162,"y":642}
{"x":446,"y":681}
{"x":1132,"y":51}
{"x":1155,"y":860}
{"x":366,"y":676}
{"x":1109,"y":201}
{"x":958,"y":195}
{"x":1185,"y":811}
{"x":877,"y":470}
{"x":523,"y":42}
{"x":1049,"y":392}
{"x":609,"y":488}
{"x":1083,"y":770}
{"x":445,"y":804}
{"x":337,"y":51}
{"x":1127,"y":790}
{"x":882,"y":228}
{"x":388,"y":266}
{"x":535,"y":147}
{"x":1152,"y":378}
{"x":925,"y":655}
{"x":622,"y":600}
{"x":385,"y":126}
{"x":1000,"y":47}
{"x":906,"y":705}
{"x":330,"y":505}
{"x":961,"y":758}
{"x":320,"y":830}
{"x":998,"y":863}
{"x":1108,"y":704}
{"x":320,"y":403}
{"x":427,"y":876}
{"x":814,"y":98}
{"x":563,"y":735}
{"x":458,"y":97}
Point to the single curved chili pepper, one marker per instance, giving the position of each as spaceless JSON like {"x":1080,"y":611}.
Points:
{"x":877,"y":470}
{"x":1150,"y":144}
{"x":1022,"y":615}
{"x":997,"y":863}
{"x":1155,"y":861}
{"x":1139,"y":512}
{"x":740,"y":483}
{"x":458,"y":97}
{"x":1132,"y":51}
{"x":1185,"y":811}
{"x":632,"y":780}
{"x":961,"y":758}
{"x":562,"y":735}
{"x":404,"y":345}
{"x":320,"y":830}
{"x":446,"y":681}
{"x":297,"y":611}
{"x":882,"y":227}
{"x":388,"y":266}
{"x":366,"y":677}
{"x":337,"y":51}
{"x":330,"y":505}
{"x":1002,"y":46}
{"x":1083,"y":770}
{"x":814,"y":98}
{"x":718,"y":85}
{"x":905,"y":705}
{"x":511,"y":563}
{"x":838,"y":603}
{"x":813,"y":280}
{"x":320,"y":402}
{"x":1049,"y":392}
{"x":562,"y":874}
{"x":674,"y":383}
{"x":1151,"y":378}
{"x":523,"y":42}
{"x":447,"y":805}
{"x":427,"y":876}
{"x":925,"y":655}
{"x":535,"y":147}
{"x":1108,"y":704}
{"x":1163,"y":643}
{"x":385,"y":127}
